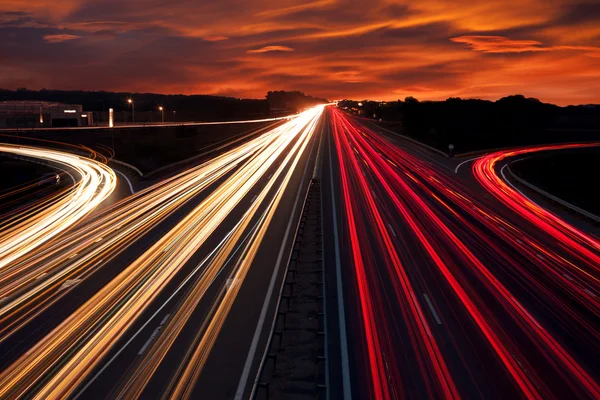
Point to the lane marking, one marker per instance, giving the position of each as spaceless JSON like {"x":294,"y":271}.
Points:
{"x":435,"y":315}
{"x":68,"y":283}
{"x":421,"y":316}
{"x":568,"y":277}
{"x":464,"y":162}
{"x":151,"y":338}
{"x":392,"y":230}
{"x":127,"y":179}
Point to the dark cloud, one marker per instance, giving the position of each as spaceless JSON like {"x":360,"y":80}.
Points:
{"x":579,"y":12}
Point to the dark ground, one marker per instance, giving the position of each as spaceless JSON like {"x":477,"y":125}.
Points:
{"x":569,"y":175}
{"x":16,"y":172}
{"x":24,"y":183}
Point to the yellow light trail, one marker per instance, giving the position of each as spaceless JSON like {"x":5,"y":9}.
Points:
{"x":59,"y":363}
{"x":29,"y":287}
{"x":189,"y":370}
{"x":27,"y":231}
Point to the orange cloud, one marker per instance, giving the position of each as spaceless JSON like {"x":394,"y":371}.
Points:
{"x":498,"y":44}
{"x":337,"y":49}
{"x":63,"y":37}
{"x":268,"y":49}
{"x":215,"y":38}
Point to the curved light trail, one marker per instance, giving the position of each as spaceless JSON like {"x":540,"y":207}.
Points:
{"x":29,"y":230}
{"x":573,"y":239}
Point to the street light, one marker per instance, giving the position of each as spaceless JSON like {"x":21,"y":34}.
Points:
{"x":162,"y":113}
{"x":130,"y":101}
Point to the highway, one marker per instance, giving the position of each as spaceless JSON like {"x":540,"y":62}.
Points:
{"x":454,"y":287}
{"x":185,"y":282}
{"x":442,"y":279}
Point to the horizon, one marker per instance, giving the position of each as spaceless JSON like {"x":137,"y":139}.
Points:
{"x":324,"y":48}
{"x":129,"y":93}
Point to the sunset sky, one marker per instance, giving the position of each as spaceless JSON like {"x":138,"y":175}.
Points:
{"x":378,"y":49}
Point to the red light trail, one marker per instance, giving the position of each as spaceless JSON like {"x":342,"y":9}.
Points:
{"x":499,"y":282}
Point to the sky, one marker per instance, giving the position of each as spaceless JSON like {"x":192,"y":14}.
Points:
{"x":376,"y":49}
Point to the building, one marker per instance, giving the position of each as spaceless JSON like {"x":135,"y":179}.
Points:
{"x":37,"y":114}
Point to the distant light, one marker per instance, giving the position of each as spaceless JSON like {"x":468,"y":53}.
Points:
{"x":360,"y":104}
{"x":111,"y":117}
{"x":160,"y":108}
{"x":129,"y":101}
{"x":83,"y":115}
{"x":70,"y":111}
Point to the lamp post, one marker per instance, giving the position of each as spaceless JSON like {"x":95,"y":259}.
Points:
{"x":130,"y":101}
{"x":162,"y":113}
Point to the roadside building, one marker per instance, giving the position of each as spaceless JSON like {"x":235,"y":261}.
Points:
{"x":37,"y":114}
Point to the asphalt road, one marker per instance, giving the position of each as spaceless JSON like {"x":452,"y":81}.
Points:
{"x":449,"y":290}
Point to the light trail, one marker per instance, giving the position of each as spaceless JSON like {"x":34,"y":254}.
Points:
{"x":487,"y":280}
{"x":27,"y":231}
{"x":58,"y":364}
{"x":385,"y":383}
{"x":33,"y":285}
{"x":577,"y":242}
{"x":182,"y":383}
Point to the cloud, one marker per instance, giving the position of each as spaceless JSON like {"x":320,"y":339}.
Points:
{"x":61,"y":37}
{"x":297,"y":8}
{"x":333,"y":48}
{"x":215,"y":38}
{"x":498,"y":44}
{"x":268,"y":49}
